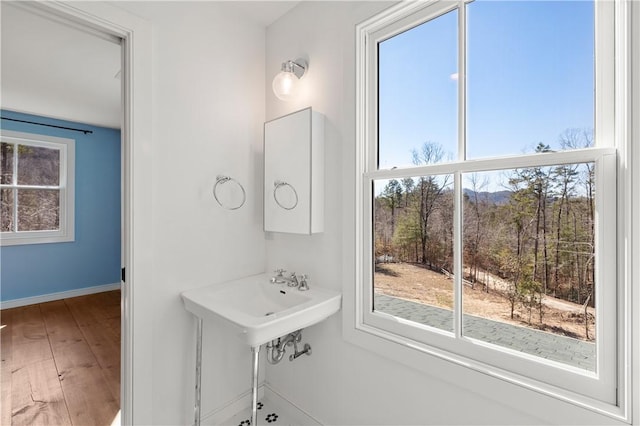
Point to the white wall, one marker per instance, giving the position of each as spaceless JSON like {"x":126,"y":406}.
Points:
{"x":209,"y":104}
{"x":208,"y":110}
{"x":342,"y":384}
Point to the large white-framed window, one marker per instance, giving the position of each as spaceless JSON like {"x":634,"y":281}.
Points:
{"x":488,"y":215}
{"x":37,"y":188}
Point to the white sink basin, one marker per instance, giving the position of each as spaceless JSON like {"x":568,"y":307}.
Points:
{"x":261,"y":311}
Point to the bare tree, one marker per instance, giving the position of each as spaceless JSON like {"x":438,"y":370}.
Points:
{"x":478,"y":184}
{"x":429,"y":190}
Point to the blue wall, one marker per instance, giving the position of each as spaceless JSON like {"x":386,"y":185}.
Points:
{"x":94,"y":257}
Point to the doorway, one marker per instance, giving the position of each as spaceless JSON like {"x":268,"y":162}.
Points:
{"x":68,"y":17}
{"x":135,"y":401}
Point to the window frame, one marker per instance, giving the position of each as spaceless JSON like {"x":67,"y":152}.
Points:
{"x":604,"y":391}
{"x":66,"y":189}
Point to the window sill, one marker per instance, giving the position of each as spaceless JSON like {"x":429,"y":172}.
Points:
{"x":41,"y":238}
{"x":446,"y":365}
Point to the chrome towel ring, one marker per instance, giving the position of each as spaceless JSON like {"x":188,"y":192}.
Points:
{"x":280,"y":186}
{"x":221,"y":180}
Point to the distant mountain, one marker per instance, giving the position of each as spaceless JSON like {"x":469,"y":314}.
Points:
{"x":498,"y":197}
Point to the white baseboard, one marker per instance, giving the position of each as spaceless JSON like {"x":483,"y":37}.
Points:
{"x":15,"y":303}
{"x":227,"y":411}
{"x":243,"y":401}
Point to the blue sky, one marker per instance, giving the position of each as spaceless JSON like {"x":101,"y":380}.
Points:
{"x":529,"y":77}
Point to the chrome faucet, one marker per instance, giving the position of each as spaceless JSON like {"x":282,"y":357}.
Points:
{"x":291,"y":280}
{"x":279,"y":278}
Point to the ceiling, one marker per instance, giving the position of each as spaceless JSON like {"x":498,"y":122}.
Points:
{"x":58,"y":70}
{"x":263,"y":12}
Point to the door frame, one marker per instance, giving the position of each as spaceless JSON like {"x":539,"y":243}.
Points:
{"x":136,"y":341}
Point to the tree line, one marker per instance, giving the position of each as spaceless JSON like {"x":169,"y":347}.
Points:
{"x":533,"y":227}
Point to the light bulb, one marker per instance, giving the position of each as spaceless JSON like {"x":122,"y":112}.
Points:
{"x":284,"y":85}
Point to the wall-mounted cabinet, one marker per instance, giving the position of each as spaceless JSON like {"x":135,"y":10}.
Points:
{"x":294,"y":173}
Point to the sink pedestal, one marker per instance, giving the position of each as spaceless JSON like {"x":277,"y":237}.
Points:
{"x":255,"y":360}
{"x":198,"y":403}
{"x":255,"y":351}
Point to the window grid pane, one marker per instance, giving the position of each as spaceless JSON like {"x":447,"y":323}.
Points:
{"x":528,"y":261}
{"x":6,"y":163}
{"x":8,"y":206}
{"x":530,"y":68}
{"x":38,"y":210}
{"x":38,"y":166}
{"x":413,"y":249}
{"x":418,"y":94}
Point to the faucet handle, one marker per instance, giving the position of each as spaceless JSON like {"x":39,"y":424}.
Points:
{"x":303,"y":283}
{"x":293,"y":280}
{"x":279,"y":272}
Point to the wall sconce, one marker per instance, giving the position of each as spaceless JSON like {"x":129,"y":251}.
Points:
{"x":285,"y":82}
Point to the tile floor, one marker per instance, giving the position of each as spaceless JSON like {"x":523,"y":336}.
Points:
{"x":269,"y":413}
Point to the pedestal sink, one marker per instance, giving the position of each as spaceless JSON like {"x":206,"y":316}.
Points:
{"x":258,"y":311}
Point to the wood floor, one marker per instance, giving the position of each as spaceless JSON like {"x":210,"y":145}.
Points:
{"x":61,"y":362}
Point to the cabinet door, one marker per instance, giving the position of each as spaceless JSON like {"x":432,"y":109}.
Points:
{"x":287,"y":173}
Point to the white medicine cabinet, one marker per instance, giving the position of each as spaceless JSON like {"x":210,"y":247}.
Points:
{"x":294,"y":173}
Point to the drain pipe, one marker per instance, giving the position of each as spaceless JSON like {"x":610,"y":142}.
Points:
{"x":277,"y":348}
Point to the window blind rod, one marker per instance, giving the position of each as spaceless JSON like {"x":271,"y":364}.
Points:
{"x":85,"y":131}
